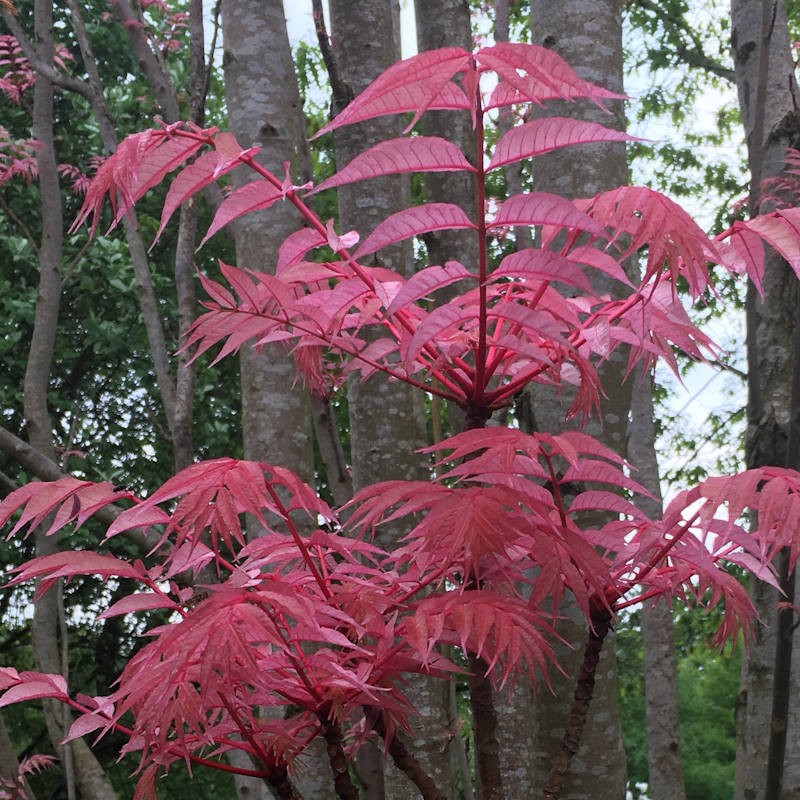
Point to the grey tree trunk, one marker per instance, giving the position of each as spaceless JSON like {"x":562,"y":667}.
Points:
{"x":660,"y":663}
{"x":589,"y":36}
{"x":447,"y":23}
{"x":768,"y":98}
{"x":264,"y":109}
{"x":387,"y":423}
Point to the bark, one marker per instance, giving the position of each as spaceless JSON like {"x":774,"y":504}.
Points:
{"x":660,"y":663}
{"x":768,"y":105}
{"x":594,"y":49}
{"x":513,"y":172}
{"x":386,"y":419}
{"x":264,"y":109}
{"x":446,"y":23}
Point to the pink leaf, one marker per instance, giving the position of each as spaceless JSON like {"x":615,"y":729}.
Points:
{"x":415,"y":154}
{"x":415,"y":84}
{"x":412,"y":222}
{"x":340,"y":243}
{"x":200,"y":173}
{"x":140,"y":601}
{"x":543,"y":208}
{"x":447,"y":319}
{"x":69,"y":563}
{"x":35,"y":685}
{"x":550,"y":133}
{"x":532,"y":263}
{"x":531,"y":73}
{"x":251,"y":197}
{"x":781,"y":230}
{"x":426,"y":281}
{"x":295,"y":246}
{"x":85,"y":724}
{"x":69,"y":499}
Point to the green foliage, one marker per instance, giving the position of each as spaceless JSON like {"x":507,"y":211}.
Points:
{"x":708,"y":685}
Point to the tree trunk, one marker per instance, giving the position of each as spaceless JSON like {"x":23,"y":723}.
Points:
{"x":768,"y":103}
{"x":264,"y":109}
{"x":387,"y":423}
{"x":660,"y":663}
{"x":593,"y":48}
{"x":80,"y":765}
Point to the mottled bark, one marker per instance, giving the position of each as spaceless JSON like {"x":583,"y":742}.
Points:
{"x":387,"y":421}
{"x":513,"y":172}
{"x":589,"y":36}
{"x":264,"y":109}
{"x":446,"y":23}
{"x":768,"y":102}
{"x":660,"y":663}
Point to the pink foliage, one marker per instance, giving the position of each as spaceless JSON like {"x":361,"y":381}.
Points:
{"x":314,"y":619}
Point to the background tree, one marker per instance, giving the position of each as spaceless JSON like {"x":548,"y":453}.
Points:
{"x":596,"y":772}
{"x":765,"y":76}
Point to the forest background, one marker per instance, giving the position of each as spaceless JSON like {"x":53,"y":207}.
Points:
{"x":119,"y":406}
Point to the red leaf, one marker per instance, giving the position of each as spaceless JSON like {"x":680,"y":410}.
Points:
{"x":451,"y":319}
{"x":416,"y":84}
{"x":251,"y":197}
{"x":140,"y":601}
{"x":35,"y":685}
{"x":781,"y":230}
{"x":70,"y":499}
{"x":543,"y":208}
{"x":673,"y":239}
{"x":600,"y":261}
{"x":532,"y":263}
{"x":295,"y":246}
{"x":530,"y":73}
{"x":200,"y":173}
{"x":414,"y":154}
{"x":550,"y":133}
{"x":140,"y":162}
{"x":412,"y":222}
{"x":69,"y":563}
{"x":426,"y":281}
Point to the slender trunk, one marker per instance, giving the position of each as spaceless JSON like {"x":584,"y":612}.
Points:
{"x":177,"y":394}
{"x":594,"y":49}
{"x":660,"y":663}
{"x":48,"y":638}
{"x":768,"y":101}
{"x":387,"y":421}
{"x":264,"y":109}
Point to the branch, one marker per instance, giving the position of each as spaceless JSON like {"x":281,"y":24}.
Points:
{"x":341,"y":93}
{"x":484,"y":720}
{"x":694,"y":56}
{"x":41,"y":66}
{"x":152,"y":65}
{"x":45,"y":469}
{"x":340,"y":765}
{"x":409,"y":765}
